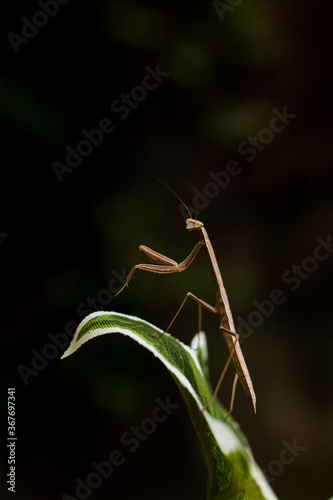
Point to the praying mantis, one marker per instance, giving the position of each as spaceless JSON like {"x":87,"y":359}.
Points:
{"x":162,"y":264}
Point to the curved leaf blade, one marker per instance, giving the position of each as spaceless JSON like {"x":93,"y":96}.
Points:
{"x":233,"y":473}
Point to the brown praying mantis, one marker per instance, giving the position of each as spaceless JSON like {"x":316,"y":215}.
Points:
{"x":162,"y":264}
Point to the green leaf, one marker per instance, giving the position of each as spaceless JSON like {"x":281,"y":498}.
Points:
{"x":232,"y":472}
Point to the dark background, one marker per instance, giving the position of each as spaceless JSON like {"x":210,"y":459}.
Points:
{"x":61,"y":241}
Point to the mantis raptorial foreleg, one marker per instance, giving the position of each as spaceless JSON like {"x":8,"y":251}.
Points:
{"x":161,"y":263}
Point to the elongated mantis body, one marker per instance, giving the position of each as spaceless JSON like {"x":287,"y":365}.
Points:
{"x":164,"y":265}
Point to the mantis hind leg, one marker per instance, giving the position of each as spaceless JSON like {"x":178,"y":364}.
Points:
{"x":218,"y":385}
{"x":201,"y":304}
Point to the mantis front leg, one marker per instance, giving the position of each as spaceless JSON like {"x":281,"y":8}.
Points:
{"x":161,"y":263}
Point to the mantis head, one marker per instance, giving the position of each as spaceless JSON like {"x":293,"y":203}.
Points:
{"x":192,"y":224}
